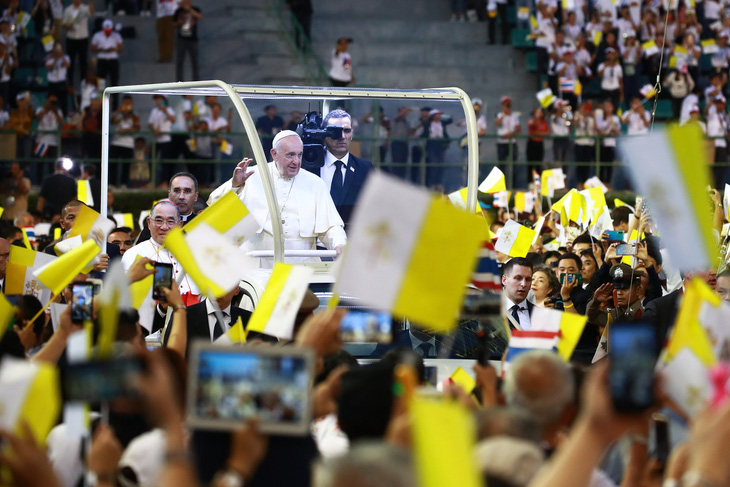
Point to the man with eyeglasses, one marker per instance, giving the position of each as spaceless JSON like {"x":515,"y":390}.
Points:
{"x":306,"y":207}
{"x":183,"y":191}
{"x":164,"y":216}
{"x":343,"y":173}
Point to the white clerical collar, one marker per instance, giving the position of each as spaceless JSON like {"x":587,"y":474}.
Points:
{"x":329,"y":159}
{"x":186,"y":217}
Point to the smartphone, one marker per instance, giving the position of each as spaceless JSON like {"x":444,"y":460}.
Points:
{"x":102,"y":380}
{"x":82,"y":301}
{"x":363,"y":326}
{"x":632,"y":359}
{"x":661,"y":437}
{"x":614,"y":235}
{"x":227,"y":386}
{"x":431,"y":373}
{"x":163,"y":278}
{"x":626,"y":249}
{"x":571,"y":277}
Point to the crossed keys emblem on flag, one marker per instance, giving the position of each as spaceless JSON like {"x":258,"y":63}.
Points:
{"x":379,"y":232}
{"x":508,"y":237}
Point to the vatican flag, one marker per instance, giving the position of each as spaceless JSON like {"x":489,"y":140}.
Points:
{"x":414,"y":262}
{"x":515,"y":240}
{"x":576,"y":207}
{"x":669,"y":167}
{"x":83,"y":192}
{"x":29,"y":393}
{"x":91,"y":225}
{"x":237,"y":334}
{"x":19,"y":278}
{"x":58,"y":273}
{"x":494,"y":182}
{"x":458,"y":199}
{"x":277,"y":310}
{"x":229,"y":217}
{"x":124,"y":220}
{"x":211,"y":260}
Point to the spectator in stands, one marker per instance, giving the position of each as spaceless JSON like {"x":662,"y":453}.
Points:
{"x":8,"y":63}
{"x":295,"y":118}
{"x":219,"y":126}
{"x":400,"y":132}
{"x":694,"y":118}
{"x":42,"y":15}
{"x":693,"y":56}
{"x":8,"y":38}
{"x":437,"y":141}
{"x":719,"y":59}
{"x":417,"y":149}
{"x":341,"y":73}
{"x":508,"y":125}
{"x":91,"y":126}
{"x":717,"y":129}
{"x":383,"y":130}
{"x":21,"y":121}
{"x":497,"y":9}
{"x":609,"y":125}
{"x":560,"y":122}
{"x":160,"y":122}
{"x":165,"y":29}
{"x":186,"y":20}
{"x":76,"y":22}
{"x":569,"y":71}
{"x":107,"y":44}
{"x":57,"y":64}
{"x":637,"y":118}
{"x":612,"y":78}
{"x":121,"y":147}
{"x":680,"y":85}
{"x":49,"y":118}
{"x":571,"y":28}
{"x":625,"y":24}
{"x":585,"y":142}
{"x":631,"y":57}
{"x":139,"y":172}
{"x":537,"y":128}
{"x":268,"y":126}
{"x":91,"y":87}
{"x":57,"y":190}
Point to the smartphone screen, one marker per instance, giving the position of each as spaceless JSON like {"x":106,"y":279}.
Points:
{"x":101,"y":380}
{"x":632,"y":358}
{"x":359,"y":326}
{"x":615,"y":235}
{"x":163,"y":278}
{"x":626,"y":249}
{"x":571,"y":277}
{"x":82,"y":301}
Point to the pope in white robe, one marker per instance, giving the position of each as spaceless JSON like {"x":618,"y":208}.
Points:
{"x":307,"y":210}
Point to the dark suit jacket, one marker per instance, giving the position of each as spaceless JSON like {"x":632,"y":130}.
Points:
{"x":661,"y":313}
{"x":355,"y":176}
{"x":197,"y":322}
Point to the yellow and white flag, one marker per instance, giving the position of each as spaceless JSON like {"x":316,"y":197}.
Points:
{"x":569,"y":325}
{"x":19,"y":278}
{"x":229,"y":217}
{"x":237,"y":334}
{"x":545,"y":97}
{"x":595,"y":199}
{"x":124,"y":220}
{"x":686,"y":380}
{"x":395,"y":258}
{"x":575,"y":205}
{"x":83,"y":192}
{"x":58,"y":273}
{"x":494,"y":182}
{"x":670,"y":168}
{"x":114,"y":297}
{"x":551,"y":180}
{"x":29,"y":393}
{"x":709,"y":46}
{"x":226,"y":147}
{"x":515,"y":240}
{"x":7,"y":315}
{"x":209,"y":258}
{"x":524,"y":202}
{"x":688,"y":331}
{"x":601,"y":222}
{"x":91,"y":225}
{"x":726,"y":202}
{"x":48,"y":42}
{"x":277,"y":310}
{"x":458,"y":199}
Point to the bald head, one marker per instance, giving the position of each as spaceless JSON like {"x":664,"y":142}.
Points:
{"x":4,"y":255}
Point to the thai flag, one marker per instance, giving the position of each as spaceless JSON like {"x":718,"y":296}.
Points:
{"x":567,"y":85}
{"x":523,"y":341}
{"x":486,"y":274}
{"x":40,"y":149}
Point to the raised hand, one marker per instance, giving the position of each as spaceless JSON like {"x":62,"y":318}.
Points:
{"x":241,"y":172}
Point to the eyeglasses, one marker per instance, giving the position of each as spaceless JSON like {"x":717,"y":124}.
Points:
{"x":159,"y":221}
{"x":293,"y":155}
{"x":186,"y":191}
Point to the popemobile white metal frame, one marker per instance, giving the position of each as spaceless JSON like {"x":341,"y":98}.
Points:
{"x":237,"y":94}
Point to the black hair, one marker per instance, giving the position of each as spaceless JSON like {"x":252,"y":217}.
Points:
{"x":583,"y":238}
{"x":571,"y":256}
{"x":187,"y":175}
{"x":515,"y":261}
{"x":620,"y":215}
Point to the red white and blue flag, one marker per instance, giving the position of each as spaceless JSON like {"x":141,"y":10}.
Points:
{"x":486,"y":275}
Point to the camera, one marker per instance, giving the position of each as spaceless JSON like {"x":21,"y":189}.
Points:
{"x":313,"y":135}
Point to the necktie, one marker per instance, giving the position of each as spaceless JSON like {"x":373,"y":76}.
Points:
{"x":336,"y":188}
{"x":219,"y":327}
{"x":513,"y":312}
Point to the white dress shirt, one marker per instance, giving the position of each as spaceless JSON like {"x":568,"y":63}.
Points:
{"x":523,"y":313}
{"x":212,"y":319}
{"x":328,"y":170}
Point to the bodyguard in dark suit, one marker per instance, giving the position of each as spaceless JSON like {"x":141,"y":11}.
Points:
{"x":343,"y":173}
{"x":203,"y":324}
{"x":183,"y":191}
{"x":517,"y":280}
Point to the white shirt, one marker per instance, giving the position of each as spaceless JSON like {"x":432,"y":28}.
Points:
{"x":341,"y":66}
{"x":635,"y":124}
{"x":306,"y":207}
{"x":181,"y":108}
{"x":212,"y":319}
{"x":48,"y":122}
{"x":559,"y":126}
{"x":611,"y":76}
{"x":57,"y":69}
{"x":607,"y":125}
{"x":159,"y":120}
{"x":217,"y":124}
{"x":717,"y":126}
{"x":123,"y":140}
{"x":89,"y":91}
{"x":103,"y":41}
{"x":509,"y":124}
{"x":328,"y":169}
{"x":166,"y":8}
{"x":522,"y":313}
{"x":79,"y":17}
{"x":331,"y":441}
